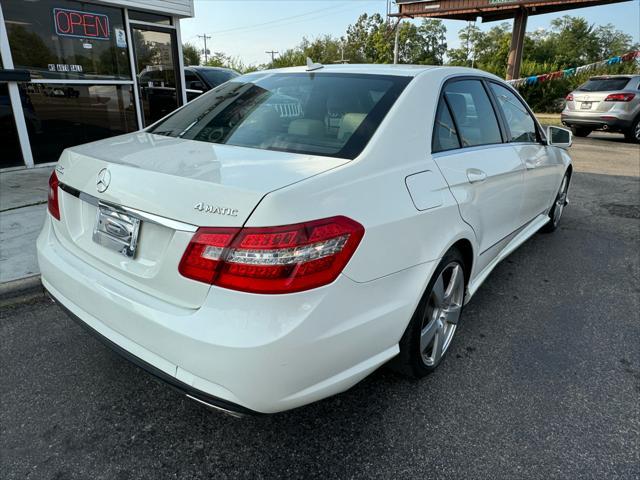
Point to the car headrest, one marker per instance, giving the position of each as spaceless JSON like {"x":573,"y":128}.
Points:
{"x":267,"y":119}
{"x":307,"y":126}
{"x":350,"y":123}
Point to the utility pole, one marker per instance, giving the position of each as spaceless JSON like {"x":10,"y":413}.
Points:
{"x":342,"y":59}
{"x":517,"y":43}
{"x":395,"y":44}
{"x":205,"y":37}
{"x":273,"y":54}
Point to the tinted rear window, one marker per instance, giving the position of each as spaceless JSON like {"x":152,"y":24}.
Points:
{"x":604,"y":84}
{"x":316,"y":113}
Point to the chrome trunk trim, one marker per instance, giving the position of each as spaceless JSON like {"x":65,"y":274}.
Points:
{"x":139,"y":214}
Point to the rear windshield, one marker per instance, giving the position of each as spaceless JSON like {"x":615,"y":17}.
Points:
{"x":316,"y":113}
{"x":216,"y":77}
{"x":604,"y":84}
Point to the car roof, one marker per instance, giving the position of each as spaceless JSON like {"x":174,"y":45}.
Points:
{"x":382,"y":69}
{"x":200,"y":67}
{"x":620,"y":75}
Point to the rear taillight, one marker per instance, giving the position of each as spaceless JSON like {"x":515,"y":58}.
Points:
{"x":569,"y":97}
{"x":620,"y":97}
{"x":284,"y":259}
{"x":52,"y":199}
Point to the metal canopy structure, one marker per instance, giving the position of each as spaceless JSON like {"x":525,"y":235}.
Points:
{"x":492,"y":10}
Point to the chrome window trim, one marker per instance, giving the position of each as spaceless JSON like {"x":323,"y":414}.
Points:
{"x":473,"y":148}
{"x":139,"y":214}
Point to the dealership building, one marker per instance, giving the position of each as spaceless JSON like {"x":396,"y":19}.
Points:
{"x":74,"y":72}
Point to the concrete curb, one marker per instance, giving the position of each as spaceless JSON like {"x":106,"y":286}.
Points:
{"x":15,"y":291}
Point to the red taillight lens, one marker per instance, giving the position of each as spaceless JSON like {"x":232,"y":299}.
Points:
{"x":283,"y":259}
{"x":204,"y":253}
{"x":620,"y":97}
{"x":569,"y":97}
{"x":52,"y":199}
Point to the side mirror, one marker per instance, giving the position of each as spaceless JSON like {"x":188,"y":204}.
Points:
{"x":559,"y":137}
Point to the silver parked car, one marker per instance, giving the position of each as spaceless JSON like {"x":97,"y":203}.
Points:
{"x":610,"y":103}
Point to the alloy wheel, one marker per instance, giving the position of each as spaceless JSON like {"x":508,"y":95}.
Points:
{"x":442,"y":314}
{"x":561,"y":200}
{"x":637,"y":131}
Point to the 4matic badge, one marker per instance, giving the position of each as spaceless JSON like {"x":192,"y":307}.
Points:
{"x":205,"y":208}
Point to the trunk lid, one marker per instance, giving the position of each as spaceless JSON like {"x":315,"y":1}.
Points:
{"x":592,"y":101}
{"x":174,"y":186}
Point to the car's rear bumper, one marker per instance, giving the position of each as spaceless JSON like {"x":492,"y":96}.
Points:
{"x":242,"y":352}
{"x":595,"y":121}
{"x":204,"y":398}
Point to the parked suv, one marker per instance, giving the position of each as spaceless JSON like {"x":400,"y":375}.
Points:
{"x":610,"y":103}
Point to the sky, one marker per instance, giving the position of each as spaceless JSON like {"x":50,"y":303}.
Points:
{"x":247,"y":29}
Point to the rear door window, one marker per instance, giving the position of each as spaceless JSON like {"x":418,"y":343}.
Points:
{"x":473,"y":113}
{"x":520,"y":124}
{"x":445,"y":136}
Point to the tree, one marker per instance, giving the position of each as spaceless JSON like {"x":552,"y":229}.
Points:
{"x":573,"y":41}
{"x":613,"y":42}
{"x":464,"y":55}
{"x":191,"y":54}
{"x":369,"y":40}
{"x":491,"y":49}
{"x":325,"y":50}
{"x":434,"y":41}
{"x":220,"y":59}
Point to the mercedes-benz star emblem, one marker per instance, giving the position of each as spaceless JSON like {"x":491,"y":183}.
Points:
{"x":103,"y":181}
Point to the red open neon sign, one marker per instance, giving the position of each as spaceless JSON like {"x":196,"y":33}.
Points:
{"x":73,"y":23}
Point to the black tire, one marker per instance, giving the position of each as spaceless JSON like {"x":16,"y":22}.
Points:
{"x":633,"y":134}
{"x":581,"y":131}
{"x":561,"y":198}
{"x":410,"y":360}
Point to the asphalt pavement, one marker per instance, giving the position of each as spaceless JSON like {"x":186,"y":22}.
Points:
{"x":542,"y":381}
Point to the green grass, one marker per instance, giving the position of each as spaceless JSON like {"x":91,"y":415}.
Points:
{"x":549,"y":119}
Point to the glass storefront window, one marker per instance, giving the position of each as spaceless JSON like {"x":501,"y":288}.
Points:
{"x":11,"y":152}
{"x":72,"y":114}
{"x":65,"y":39}
{"x":155,"y":54}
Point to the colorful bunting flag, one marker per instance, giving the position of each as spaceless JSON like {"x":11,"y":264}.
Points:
{"x":569,"y":72}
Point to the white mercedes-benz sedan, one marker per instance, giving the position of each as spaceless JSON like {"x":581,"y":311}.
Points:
{"x":276,"y":240}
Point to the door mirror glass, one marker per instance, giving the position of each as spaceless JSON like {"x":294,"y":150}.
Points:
{"x":559,"y":137}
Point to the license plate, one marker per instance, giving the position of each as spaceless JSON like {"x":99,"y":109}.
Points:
{"x":586,"y":105}
{"x":116,"y":230}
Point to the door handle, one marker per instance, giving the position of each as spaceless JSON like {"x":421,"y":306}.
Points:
{"x":474,"y":175}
